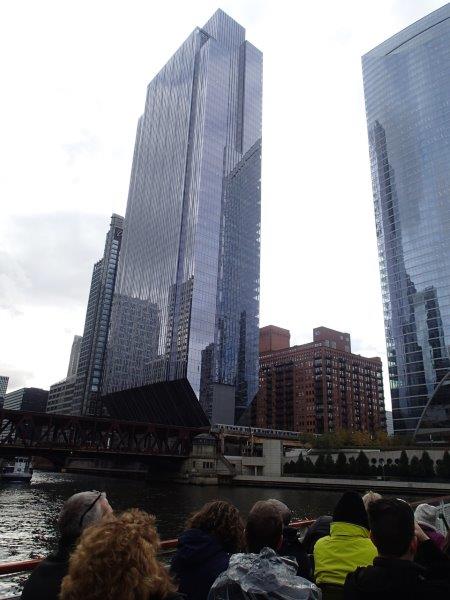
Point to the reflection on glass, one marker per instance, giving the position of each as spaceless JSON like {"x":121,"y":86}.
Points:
{"x":407,"y":93}
{"x":186,"y":303}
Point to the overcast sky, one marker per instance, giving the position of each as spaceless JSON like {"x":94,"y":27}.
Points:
{"x":74,"y":77}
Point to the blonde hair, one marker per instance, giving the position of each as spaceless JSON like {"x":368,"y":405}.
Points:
{"x":116,"y":559}
{"x":370,"y":497}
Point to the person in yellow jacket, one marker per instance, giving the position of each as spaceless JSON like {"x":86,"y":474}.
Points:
{"x":348,"y":546}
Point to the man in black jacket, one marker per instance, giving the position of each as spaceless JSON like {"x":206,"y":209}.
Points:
{"x":394,"y":574}
{"x":291,"y":545}
{"x":79,"y":511}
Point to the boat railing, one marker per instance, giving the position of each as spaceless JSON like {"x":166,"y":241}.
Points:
{"x":165,"y":546}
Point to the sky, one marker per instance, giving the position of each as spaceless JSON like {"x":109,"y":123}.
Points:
{"x":74,"y":77}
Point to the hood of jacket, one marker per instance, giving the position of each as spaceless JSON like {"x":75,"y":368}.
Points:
{"x":386,"y":576}
{"x":266,"y":575}
{"x":196,"y":546}
{"x":341,"y":528}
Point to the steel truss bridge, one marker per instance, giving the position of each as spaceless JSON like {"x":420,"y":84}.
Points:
{"x":58,"y":436}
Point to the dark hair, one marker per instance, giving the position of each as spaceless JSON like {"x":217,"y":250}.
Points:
{"x":350,"y":509}
{"x":392,"y":526}
{"x":264,"y":527}
{"x":223,"y":520}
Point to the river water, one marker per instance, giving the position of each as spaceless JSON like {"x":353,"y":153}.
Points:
{"x":28,"y":512}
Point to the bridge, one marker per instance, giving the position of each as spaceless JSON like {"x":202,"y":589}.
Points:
{"x":58,"y":436}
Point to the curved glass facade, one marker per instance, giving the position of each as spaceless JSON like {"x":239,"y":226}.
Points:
{"x":434,"y":425}
{"x":187,"y":294}
{"x":407,"y":93}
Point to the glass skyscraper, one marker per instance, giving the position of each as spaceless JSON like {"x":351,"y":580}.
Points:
{"x":407,"y":92}
{"x":186,"y":302}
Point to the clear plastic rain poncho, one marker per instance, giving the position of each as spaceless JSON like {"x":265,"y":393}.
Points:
{"x":262,"y":576}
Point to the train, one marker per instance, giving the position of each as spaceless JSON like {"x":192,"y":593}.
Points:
{"x":255,"y":431}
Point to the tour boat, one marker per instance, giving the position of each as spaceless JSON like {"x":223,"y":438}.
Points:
{"x":19,"y":469}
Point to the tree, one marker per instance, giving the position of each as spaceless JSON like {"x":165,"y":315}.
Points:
{"x":341,"y":464}
{"x":309,"y":466}
{"x":403,"y":464}
{"x":319,"y":467}
{"x":427,"y":464}
{"x":416,"y":468}
{"x":351,"y":466}
{"x":289,"y":467}
{"x":362,"y":464}
{"x":300,"y":464}
{"x":329,"y":465}
{"x":443,"y":466}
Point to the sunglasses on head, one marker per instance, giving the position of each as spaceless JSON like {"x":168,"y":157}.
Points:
{"x":90,"y":507}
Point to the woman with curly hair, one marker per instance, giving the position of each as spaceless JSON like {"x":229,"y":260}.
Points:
{"x":116,"y":559}
{"x":212,"y":534}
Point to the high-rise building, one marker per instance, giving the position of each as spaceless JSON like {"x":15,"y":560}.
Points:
{"x":187,"y":296}
{"x":60,"y":396}
{"x":319,"y":387}
{"x":3,"y":385}
{"x":273,"y":338}
{"x":407,"y":92}
{"x":32,"y":399}
{"x":74,"y":355}
{"x":93,"y":345}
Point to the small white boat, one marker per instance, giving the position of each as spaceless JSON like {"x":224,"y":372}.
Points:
{"x":19,"y":469}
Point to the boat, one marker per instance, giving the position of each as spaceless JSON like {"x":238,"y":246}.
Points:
{"x":19,"y":469}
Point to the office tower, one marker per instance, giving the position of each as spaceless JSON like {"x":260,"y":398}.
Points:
{"x":186,"y":303}
{"x":3,"y":385}
{"x":407,"y":92}
{"x":60,"y":396}
{"x":319,"y":387}
{"x":93,"y":345}
{"x":30,"y":399}
{"x":74,"y":355}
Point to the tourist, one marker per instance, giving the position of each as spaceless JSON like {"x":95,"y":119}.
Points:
{"x":319,"y":529}
{"x":426,"y":515}
{"x":347,"y":547}
{"x":115,"y":559}
{"x":394,"y":574}
{"x":78,"y":512}
{"x":212,"y":534}
{"x":370,"y":497}
{"x":291,"y":545}
{"x":262,"y":573}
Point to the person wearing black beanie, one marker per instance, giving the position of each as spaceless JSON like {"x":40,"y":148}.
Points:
{"x":347,"y":547}
{"x":350,"y":509}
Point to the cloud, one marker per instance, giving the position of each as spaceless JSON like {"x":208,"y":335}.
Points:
{"x":18,"y":378}
{"x":48,"y":258}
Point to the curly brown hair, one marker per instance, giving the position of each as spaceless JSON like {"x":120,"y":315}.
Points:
{"x":221,"y":519}
{"x":116,"y":559}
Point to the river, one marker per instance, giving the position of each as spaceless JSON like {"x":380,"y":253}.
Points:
{"x":28,"y":512}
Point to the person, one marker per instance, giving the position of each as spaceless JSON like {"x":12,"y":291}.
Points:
{"x":116,"y":559}
{"x":319,"y":529}
{"x":212,"y":534}
{"x":394,"y":574}
{"x":78,"y":512}
{"x":261,"y":572}
{"x":426,"y":515}
{"x":370,"y":497}
{"x":347,"y":547}
{"x":291,"y":545}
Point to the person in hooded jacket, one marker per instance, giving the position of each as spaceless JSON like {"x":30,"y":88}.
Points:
{"x":291,"y":546}
{"x":347,"y":547}
{"x":260,"y":573}
{"x":212,"y":534}
{"x":395,"y":575}
{"x":427,"y":515}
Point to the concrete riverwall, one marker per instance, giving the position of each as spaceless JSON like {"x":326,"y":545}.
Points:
{"x":322,"y":483}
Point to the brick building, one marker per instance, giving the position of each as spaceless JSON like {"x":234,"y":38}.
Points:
{"x":317,"y":387}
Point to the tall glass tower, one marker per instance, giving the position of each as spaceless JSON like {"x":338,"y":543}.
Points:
{"x":407,"y":92}
{"x":186,"y":301}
